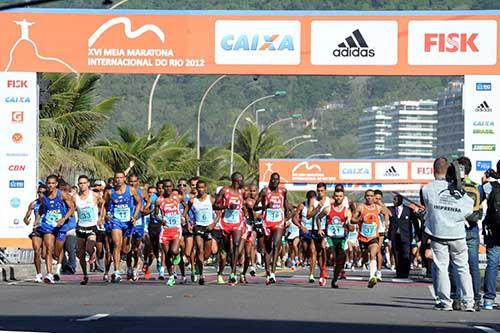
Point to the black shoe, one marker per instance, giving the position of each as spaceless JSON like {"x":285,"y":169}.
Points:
{"x":477,"y":305}
{"x":457,"y":305}
{"x":85,"y":281}
{"x":442,"y":307}
{"x":335,"y":285}
{"x":57,"y":277}
{"x":201,"y":281}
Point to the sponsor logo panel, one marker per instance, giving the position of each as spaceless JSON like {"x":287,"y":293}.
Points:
{"x":458,"y":42}
{"x":484,"y":147}
{"x":391,"y":171}
{"x":15,"y":202}
{"x":355,"y":170}
{"x":257,"y":42}
{"x":17,"y":117}
{"x":16,"y":183}
{"x":422,"y":170}
{"x":483,"y":86}
{"x":483,"y":165}
{"x":354,"y":42}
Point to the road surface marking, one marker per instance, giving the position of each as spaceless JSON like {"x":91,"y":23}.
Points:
{"x":20,"y":332}
{"x":94,"y":317}
{"x":486,"y":329}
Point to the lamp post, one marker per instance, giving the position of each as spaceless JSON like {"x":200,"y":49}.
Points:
{"x":257,"y":116}
{"x":198,"y":154}
{"x":297,"y":137}
{"x":276,"y":94}
{"x":318,"y":155}
{"x":300,"y":144}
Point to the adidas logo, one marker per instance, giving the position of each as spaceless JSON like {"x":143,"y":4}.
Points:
{"x":350,"y":48}
{"x":483,"y":107}
{"x":391,"y":172}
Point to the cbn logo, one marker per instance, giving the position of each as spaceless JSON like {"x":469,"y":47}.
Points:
{"x":274,"y":42}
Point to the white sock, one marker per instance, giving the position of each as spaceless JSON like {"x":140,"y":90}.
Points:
{"x":373,"y":267}
{"x":58,"y":268}
{"x":259,"y":258}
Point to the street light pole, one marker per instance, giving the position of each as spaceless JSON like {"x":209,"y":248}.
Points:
{"x":278,"y":93}
{"x":257,"y":116}
{"x":150,"y":107}
{"x":318,"y":155}
{"x":118,"y":4}
{"x":300,"y":144}
{"x":296,"y":138}
{"x":198,"y":155}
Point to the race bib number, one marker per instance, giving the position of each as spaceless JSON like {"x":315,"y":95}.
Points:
{"x":52,"y":217}
{"x":122,"y":213}
{"x":203,"y":217}
{"x":274,"y":215}
{"x":172,"y":220}
{"x":336,"y":230}
{"x":86,"y":215}
{"x":352,"y":236}
{"x":369,"y":230}
{"x":232,"y":216}
{"x":308,"y":223}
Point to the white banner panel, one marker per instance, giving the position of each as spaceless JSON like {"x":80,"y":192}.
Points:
{"x":481,"y":103}
{"x":18,"y":151}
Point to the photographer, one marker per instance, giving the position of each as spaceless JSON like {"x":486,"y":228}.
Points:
{"x":491,"y":231}
{"x":447,"y":207}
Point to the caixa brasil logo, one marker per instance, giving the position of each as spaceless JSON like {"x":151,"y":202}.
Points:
{"x":17,"y":99}
{"x":258,"y":42}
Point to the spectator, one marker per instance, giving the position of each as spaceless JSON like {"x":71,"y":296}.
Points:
{"x":446,"y":210}
{"x":403,"y":224}
{"x":491,"y":231}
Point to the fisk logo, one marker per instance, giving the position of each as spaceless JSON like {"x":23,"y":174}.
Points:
{"x":452,"y":42}
{"x":17,"y":83}
{"x":257,"y":42}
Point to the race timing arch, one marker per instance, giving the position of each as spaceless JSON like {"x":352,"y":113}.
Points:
{"x":236,"y":42}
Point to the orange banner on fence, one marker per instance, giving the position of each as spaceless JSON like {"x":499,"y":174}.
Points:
{"x":347,"y":171}
{"x":290,"y":43}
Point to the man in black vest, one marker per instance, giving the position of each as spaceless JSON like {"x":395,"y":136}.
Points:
{"x":403,"y":226}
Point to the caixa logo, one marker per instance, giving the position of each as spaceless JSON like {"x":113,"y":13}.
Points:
{"x":266,"y":42}
{"x":17,"y":99}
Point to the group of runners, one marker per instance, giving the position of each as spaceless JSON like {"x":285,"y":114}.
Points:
{"x":179,"y":225}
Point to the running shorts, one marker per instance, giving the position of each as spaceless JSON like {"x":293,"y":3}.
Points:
{"x":125,"y":227}
{"x":85,"y":232}
{"x":203,"y":232}
{"x":170,"y":234}
{"x":268,"y":227}
{"x":338,"y":245}
{"x":36,"y":233}
{"x":364,"y":245}
{"x":45,"y":229}
{"x":249,"y":236}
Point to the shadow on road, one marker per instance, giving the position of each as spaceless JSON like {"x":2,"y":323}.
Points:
{"x":206,"y":325}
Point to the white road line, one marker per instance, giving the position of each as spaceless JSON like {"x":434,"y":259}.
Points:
{"x":354,"y":278}
{"x":486,"y":329}
{"x":94,"y":317}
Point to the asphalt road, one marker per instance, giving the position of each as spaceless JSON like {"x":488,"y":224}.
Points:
{"x":292,"y":305}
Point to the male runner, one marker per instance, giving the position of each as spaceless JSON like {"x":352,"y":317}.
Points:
{"x":338,"y":219}
{"x":187,"y":240}
{"x":384,"y":216}
{"x":35,"y":236}
{"x":230,"y":201}
{"x":56,"y":209}
{"x":150,"y":253}
{"x":250,"y":234}
{"x":323,"y":202}
{"x":367,"y":216}
{"x":201,"y":206}
{"x":124,"y":206}
{"x":67,"y":239}
{"x":168,"y":213}
{"x":98,"y":188}
{"x":87,"y":206}
{"x":272,"y":200}
{"x":305,"y":224}
{"x":134,"y":248}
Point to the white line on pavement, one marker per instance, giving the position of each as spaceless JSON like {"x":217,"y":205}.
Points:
{"x":486,"y":329}
{"x":94,"y":317}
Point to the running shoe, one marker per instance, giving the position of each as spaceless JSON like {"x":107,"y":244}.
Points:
{"x":335,"y":285}
{"x":442,"y":307}
{"x":272,"y":278}
{"x":252,"y":271}
{"x":220,"y":279}
{"x":135,"y":276}
{"x":378,"y":275}
{"x":105,"y":278}
{"x":171,"y":281}
{"x":49,"y":279}
{"x":194,"y":279}
{"x":147,"y":272}
{"x":39,"y":278}
{"x":201,"y":281}
{"x":57,"y":275}
{"x":161,"y":273}
{"x":268,"y":280}
{"x":322,"y":281}
{"x":183,"y":280}
{"x":243,"y":279}
{"x":130,"y":273}
{"x":311,"y":278}
{"x":457,"y":305}
{"x":84,"y":281}
{"x":373,"y":281}
{"x":488,"y":305}
{"x":342,"y":275}
{"x":116,"y":277}
{"x":232,"y":279}
{"x":477,"y":305}
{"x":177,"y":260}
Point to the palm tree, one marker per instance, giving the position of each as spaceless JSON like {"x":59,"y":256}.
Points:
{"x":68,"y":122}
{"x":252,"y":145}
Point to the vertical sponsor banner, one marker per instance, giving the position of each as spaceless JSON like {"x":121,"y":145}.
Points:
{"x":481,"y":103}
{"x":18,"y":153}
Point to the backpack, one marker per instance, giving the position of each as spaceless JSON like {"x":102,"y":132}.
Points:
{"x":493,"y":211}
{"x":473,"y":192}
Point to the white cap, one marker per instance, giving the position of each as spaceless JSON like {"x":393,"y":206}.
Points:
{"x":100,"y":183}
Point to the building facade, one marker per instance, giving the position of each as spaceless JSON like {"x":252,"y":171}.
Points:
{"x":450,"y":132}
